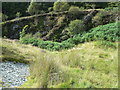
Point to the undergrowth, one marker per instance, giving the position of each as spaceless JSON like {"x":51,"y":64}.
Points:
{"x":107,"y":33}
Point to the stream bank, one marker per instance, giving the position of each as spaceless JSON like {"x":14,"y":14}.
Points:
{"x":13,"y":74}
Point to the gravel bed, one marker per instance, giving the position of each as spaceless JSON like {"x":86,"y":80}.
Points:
{"x":13,"y":74}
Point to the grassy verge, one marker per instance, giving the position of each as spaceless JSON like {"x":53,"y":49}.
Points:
{"x":14,"y":51}
{"x":84,"y":66}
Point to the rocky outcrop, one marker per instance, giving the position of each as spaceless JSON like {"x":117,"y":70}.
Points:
{"x":89,"y":16}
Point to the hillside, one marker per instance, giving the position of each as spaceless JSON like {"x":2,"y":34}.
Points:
{"x":84,"y":66}
{"x":59,"y":44}
{"x":107,"y":33}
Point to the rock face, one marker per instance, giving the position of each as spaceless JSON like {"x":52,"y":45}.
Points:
{"x":13,"y":74}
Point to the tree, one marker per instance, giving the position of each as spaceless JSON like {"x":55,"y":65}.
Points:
{"x":11,"y":8}
{"x":39,"y":7}
{"x":33,"y":8}
{"x":60,"y":6}
{"x":74,"y":10}
{"x":76,"y":27}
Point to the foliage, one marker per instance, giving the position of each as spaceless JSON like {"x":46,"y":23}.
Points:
{"x":3,"y":17}
{"x":33,"y":8}
{"x":76,"y":27}
{"x":50,"y":9}
{"x":74,"y":11}
{"x":60,"y":6}
{"x":49,"y":45}
{"x":105,"y":16}
{"x":60,"y":20}
{"x":18,"y":14}
{"x":22,"y":33}
{"x":38,"y":7}
{"x":11,"y":8}
{"x":84,"y":66}
{"x":113,"y":4}
{"x":90,"y":5}
{"x":107,"y":32}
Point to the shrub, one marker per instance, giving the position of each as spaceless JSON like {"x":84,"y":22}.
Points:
{"x":49,"y":45}
{"x":76,"y":27}
{"x":108,"y":32}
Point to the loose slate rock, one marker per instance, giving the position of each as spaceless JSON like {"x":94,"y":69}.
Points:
{"x":13,"y":74}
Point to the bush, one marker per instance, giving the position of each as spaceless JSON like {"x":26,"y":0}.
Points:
{"x":49,"y":45}
{"x":76,"y":27}
{"x":108,"y":32}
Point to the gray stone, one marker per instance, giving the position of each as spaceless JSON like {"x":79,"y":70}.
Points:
{"x":13,"y":74}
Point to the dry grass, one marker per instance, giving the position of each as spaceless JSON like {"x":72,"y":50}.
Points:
{"x":84,"y":66}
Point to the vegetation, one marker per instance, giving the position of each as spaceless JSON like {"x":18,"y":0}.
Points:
{"x":10,"y":9}
{"x":39,"y":7}
{"x":3,"y":17}
{"x":76,"y":27}
{"x":107,"y":32}
{"x":74,"y":10}
{"x":105,"y":16}
{"x":60,"y":6}
{"x":84,"y":66}
{"x":66,"y":44}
